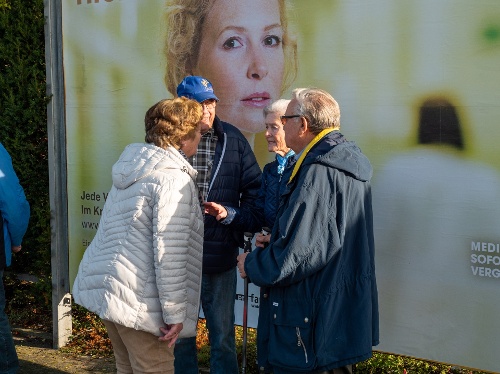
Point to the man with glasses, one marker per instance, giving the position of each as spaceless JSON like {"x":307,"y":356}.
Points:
{"x":229,"y":180}
{"x":319,"y":264}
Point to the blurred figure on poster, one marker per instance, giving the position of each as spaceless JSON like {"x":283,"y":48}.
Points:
{"x":270,"y":191}
{"x":229,"y":179}
{"x":15,"y":214}
{"x":245,"y":48}
{"x":319,"y":265}
{"x":432,"y":203}
{"x":142,"y":272}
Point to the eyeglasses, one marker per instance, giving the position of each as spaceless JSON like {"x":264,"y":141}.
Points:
{"x":285,"y":118}
{"x":209,"y":104}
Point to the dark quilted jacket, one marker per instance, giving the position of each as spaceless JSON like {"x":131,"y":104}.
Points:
{"x":235,"y":182}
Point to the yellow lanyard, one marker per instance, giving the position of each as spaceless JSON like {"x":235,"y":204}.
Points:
{"x":316,"y":139}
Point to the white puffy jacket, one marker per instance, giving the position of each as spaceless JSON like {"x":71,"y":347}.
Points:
{"x":143,"y":267}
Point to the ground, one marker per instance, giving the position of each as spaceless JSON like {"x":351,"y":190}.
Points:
{"x":36,"y":356}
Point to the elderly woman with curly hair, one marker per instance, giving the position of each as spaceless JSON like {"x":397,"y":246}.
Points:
{"x":142,"y":272}
{"x":245,"y":48}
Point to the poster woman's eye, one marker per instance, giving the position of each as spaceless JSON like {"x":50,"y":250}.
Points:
{"x":272,"y":40}
{"x":232,"y":43}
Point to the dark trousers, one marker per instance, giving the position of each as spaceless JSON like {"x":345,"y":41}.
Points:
{"x":3,"y":259}
{"x":342,"y":370}
{"x":9,"y":362}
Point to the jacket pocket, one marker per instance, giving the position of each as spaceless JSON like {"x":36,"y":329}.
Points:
{"x":291,"y":340}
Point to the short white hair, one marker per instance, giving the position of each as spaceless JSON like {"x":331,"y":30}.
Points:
{"x":278,"y":106}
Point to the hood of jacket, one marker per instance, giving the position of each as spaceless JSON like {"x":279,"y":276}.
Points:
{"x":337,"y":152}
{"x":138,"y":160}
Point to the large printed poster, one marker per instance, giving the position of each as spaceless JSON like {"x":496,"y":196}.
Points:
{"x":418,"y":86}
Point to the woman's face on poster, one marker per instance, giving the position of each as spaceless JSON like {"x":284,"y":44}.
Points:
{"x":241,"y":53}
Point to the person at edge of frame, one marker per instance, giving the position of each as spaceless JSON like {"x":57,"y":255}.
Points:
{"x":14,"y":214}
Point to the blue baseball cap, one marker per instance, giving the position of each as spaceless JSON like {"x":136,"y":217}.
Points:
{"x":196,"y":88}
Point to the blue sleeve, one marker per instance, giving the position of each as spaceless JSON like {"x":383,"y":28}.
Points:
{"x":249,"y":215}
{"x":305,"y":236}
{"x":14,"y":207}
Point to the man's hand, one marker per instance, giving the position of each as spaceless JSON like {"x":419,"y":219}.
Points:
{"x":15,"y":248}
{"x":170,"y":333}
{"x":216,"y":210}
{"x":262,"y":240}
{"x":241,"y":264}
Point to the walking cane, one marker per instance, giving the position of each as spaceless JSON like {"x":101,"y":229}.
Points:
{"x":265,"y":231}
{"x":247,"y":248}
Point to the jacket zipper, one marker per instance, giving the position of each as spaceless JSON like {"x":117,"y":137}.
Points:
{"x":300,"y":343}
{"x":218,"y":165}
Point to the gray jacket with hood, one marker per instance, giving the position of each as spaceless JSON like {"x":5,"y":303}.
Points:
{"x":143,"y":268}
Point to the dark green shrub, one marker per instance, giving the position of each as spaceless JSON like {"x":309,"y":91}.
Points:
{"x":23,"y":132}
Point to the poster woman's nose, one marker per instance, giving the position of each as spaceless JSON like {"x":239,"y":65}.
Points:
{"x":258,"y":68}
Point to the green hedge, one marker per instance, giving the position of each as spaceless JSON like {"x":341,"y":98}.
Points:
{"x":23,"y":129}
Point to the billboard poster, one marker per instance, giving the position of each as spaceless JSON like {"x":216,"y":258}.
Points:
{"x":417,"y":83}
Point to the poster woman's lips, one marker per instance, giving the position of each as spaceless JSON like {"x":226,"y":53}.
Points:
{"x":257,"y":100}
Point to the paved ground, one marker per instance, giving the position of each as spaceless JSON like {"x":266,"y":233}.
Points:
{"x":36,"y":356}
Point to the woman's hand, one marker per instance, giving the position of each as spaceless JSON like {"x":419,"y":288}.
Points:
{"x":170,"y":333}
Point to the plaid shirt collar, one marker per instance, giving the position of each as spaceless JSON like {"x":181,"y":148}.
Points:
{"x":203,"y":161}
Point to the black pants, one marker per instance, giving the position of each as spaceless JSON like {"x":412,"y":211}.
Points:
{"x":3,"y":260}
{"x":342,"y":370}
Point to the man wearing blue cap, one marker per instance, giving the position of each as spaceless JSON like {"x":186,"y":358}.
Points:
{"x":229,"y":180}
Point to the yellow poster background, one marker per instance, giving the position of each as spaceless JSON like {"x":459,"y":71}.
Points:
{"x":436,"y":209}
